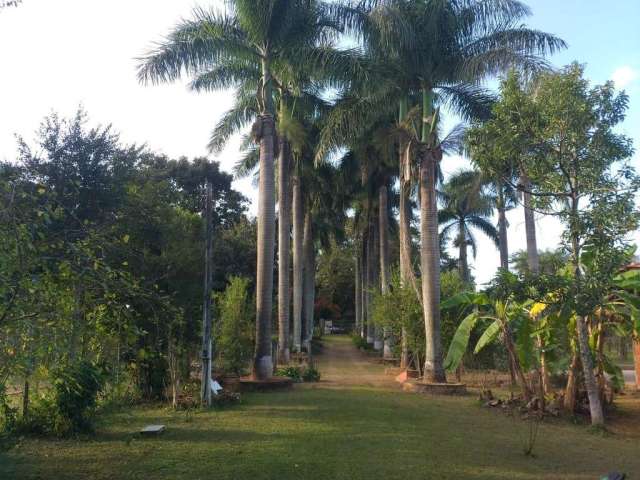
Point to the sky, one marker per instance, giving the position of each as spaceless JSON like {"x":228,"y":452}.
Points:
{"x":58,"y":54}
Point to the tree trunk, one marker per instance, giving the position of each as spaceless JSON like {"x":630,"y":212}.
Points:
{"x":385,"y":274}
{"x":430,"y":155}
{"x":595,"y":405}
{"x":309,"y":281}
{"x":406,"y":269}
{"x":530,"y":227}
{"x":375,"y":283}
{"x":284,"y":236}
{"x":636,"y":360}
{"x":358,"y":292}
{"x":430,"y":264}
{"x":263,"y":364}
{"x":298,"y":263}
{"x":463,"y":262}
{"x":515,"y":361}
{"x":369,"y":286}
{"x":25,"y":398}
{"x":572,"y":383}
{"x":205,"y":380}
{"x":363,"y":285}
{"x":503,"y":244}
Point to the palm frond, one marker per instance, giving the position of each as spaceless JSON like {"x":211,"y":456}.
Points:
{"x":195,"y":46}
{"x":240,"y":116}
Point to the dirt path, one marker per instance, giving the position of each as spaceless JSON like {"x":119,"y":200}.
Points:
{"x":342,"y":365}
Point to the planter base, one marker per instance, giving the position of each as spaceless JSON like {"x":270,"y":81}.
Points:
{"x":406,"y":375}
{"x":434,"y":388}
{"x":249,"y":384}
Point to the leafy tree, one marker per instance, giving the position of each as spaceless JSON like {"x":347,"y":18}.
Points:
{"x":234,"y":339}
{"x":564,"y":139}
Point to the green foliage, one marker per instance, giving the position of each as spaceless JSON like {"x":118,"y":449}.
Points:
{"x":335,"y":283}
{"x":234,"y":332}
{"x":8,"y":420}
{"x":398,"y":309}
{"x":69,"y":407}
{"x":311,"y":374}
{"x":451,"y":285}
{"x":294,"y":373}
{"x":299,"y":374}
{"x":460,"y":342}
{"x":360,"y":343}
{"x":76,"y":390}
{"x":101,"y":256}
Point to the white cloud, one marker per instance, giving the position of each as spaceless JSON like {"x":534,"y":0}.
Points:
{"x":623,"y":76}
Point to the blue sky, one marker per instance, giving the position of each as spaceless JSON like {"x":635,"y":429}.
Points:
{"x":58,"y":54}
{"x":603,"y":34}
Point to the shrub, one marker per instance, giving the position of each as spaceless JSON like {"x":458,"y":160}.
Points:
{"x":76,"y":390}
{"x":8,"y":420}
{"x":299,"y":374}
{"x":292,"y":372}
{"x":311,"y":374}
{"x":234,"y":336}
{"x":69,"y":407}
{"x":123,"y":392}
{"x":225,"y":398}
{"x":360,"y":342}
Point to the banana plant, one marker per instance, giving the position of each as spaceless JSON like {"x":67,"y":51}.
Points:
{"x":498,"y":317}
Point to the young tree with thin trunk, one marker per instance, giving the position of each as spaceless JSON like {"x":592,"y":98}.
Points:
{"x":577,"y":168}
{"x":207,"y":345}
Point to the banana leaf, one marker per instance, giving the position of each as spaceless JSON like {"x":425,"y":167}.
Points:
{"x":460,"y":341}
{"x":488,"y":336}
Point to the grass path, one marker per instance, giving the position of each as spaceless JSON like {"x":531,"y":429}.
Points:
{"x":341,"y":365}
{"x":355,"y":424}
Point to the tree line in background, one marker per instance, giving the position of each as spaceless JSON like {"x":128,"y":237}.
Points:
{"x":101,"y":259}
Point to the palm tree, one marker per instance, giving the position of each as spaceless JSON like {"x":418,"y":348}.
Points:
{"x":465,"y":206}
{"x":219,"y":48}
{"x":442,"y":48}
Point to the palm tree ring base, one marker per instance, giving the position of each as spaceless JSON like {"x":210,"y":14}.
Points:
{"x":250,"y":384}
{"x":419,"y":386}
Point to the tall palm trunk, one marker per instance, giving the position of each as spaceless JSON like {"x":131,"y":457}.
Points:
{"x":298,"y":265}
{"x":284,"y":236}
{"x":358,"y":292}
{"x":407,"y":276}
{"x":503,"y":245}
{"x":309,"y":280}
{"x":263,"y":363}
{"x":363,"y":285}
{"x":530,"y":227}
{"x":406,"y":270}
{"x":430,"y":248}
{"x":375,"y":283}
{"x":385,"y":274}
{"x":636,"y":360}
{"x":463,"y":262}
{"x":369,"y":285}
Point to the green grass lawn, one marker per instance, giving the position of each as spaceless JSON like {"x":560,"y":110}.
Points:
{"x":326,"y":432}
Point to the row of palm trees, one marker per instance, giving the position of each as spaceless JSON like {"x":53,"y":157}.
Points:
{"x":345,"y":125}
